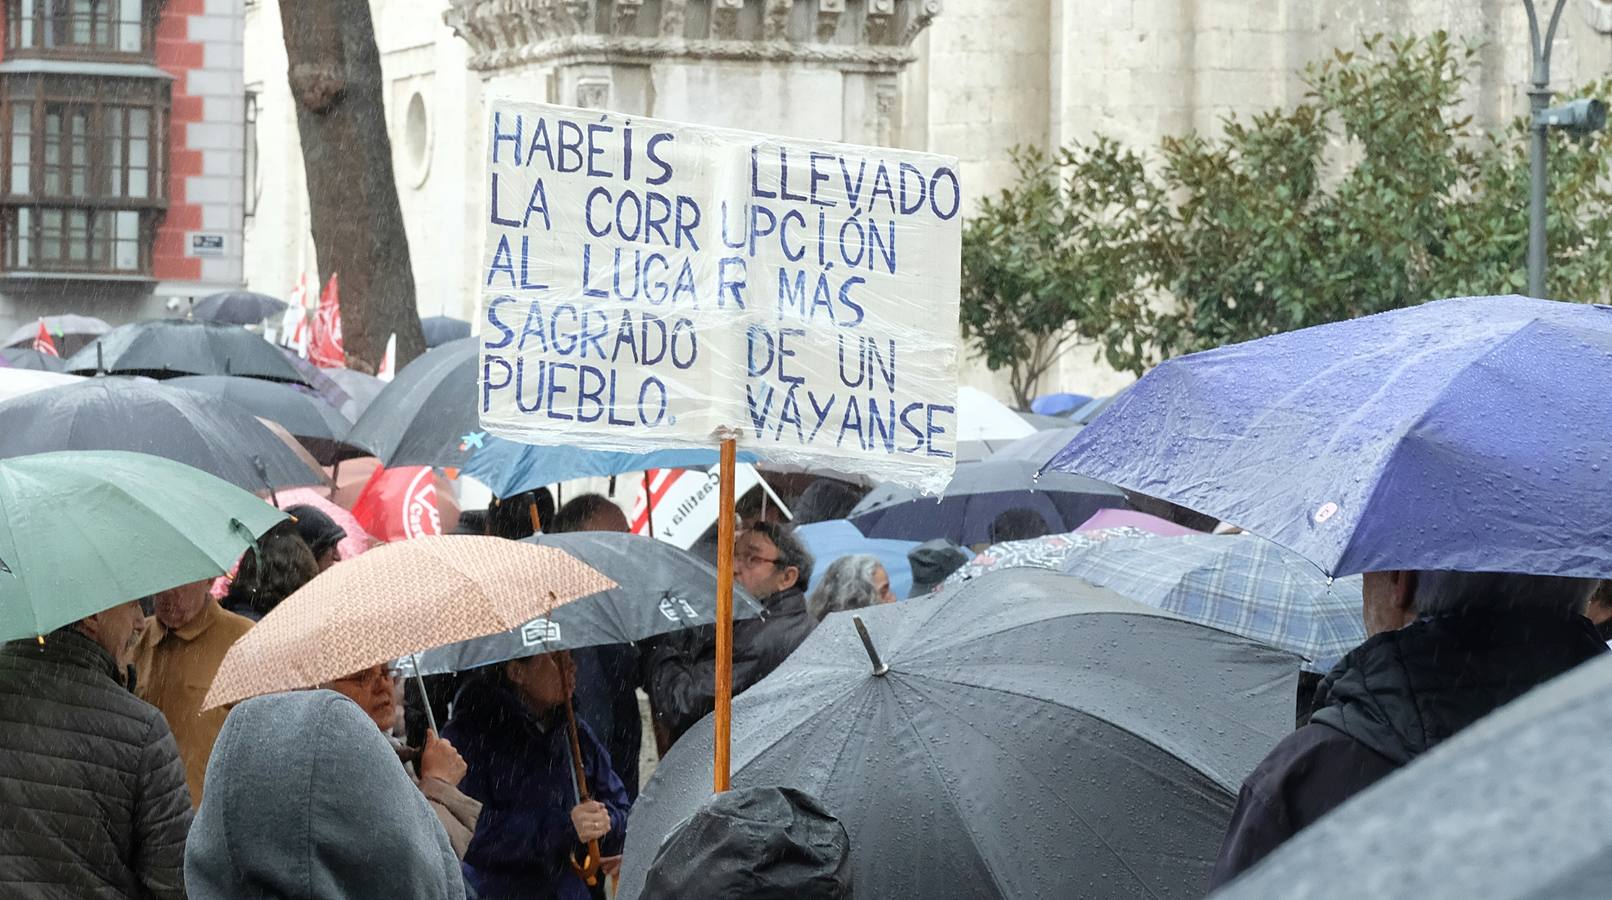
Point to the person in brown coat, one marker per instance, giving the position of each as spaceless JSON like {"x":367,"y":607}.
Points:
{"x":435,"y":769}
{"x":175,"y":661}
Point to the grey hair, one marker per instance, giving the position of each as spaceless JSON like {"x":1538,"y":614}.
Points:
{"x":848,"y":584}
{"x":1447,"y":592}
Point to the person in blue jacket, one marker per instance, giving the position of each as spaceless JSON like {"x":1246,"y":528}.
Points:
{"x":509,"y":723}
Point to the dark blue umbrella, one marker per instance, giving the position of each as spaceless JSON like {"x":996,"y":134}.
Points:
{"x":1465,"y":434}
{"x":237,"y":307}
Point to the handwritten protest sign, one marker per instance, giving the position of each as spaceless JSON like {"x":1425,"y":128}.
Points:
{"x":650,"y":284}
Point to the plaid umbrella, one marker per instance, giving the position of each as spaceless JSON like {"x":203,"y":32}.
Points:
{"x":1049,"y":552}
{"x":1239,"y":583}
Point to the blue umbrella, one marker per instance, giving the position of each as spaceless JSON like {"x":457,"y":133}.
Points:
{"x":1465,"y":434}
{"x":508,"y":468}
{"x":1238,"y":583}
{"x":836,"y":538}
{"x":1058,"y":404}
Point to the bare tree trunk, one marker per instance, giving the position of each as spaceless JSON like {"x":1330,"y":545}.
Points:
{"x":335,"y":72}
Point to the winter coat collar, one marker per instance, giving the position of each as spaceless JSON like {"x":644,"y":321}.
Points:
{"x":66,"y":646}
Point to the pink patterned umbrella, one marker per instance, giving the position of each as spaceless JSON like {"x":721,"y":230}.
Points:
{"x":357,"y":540}
{"x":1130,"y":518}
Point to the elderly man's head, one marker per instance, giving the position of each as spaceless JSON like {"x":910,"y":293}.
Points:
{"x":179,"y":606}
{"x":769,"y":558}
{"x":116,"y":629}
{"x":1395,"y":599}
{"x":851,"y":582}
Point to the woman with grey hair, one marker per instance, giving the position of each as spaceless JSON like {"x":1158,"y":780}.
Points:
{"x":852,"y":582}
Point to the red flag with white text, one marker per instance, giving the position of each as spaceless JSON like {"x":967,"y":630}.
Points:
{"x":326,"y":347}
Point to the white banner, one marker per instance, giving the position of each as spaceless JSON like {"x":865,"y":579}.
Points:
{"x":649,"y":284}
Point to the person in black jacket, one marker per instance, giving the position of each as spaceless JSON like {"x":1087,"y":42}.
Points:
{"x":93,"y":800}
{"x":771,"y":563}
{"x":1446,"y":649}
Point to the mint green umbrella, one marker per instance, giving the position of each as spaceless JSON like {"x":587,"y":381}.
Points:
{"x":82,"y":531}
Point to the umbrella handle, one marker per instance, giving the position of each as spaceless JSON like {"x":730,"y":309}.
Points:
{"x":587,"y":868}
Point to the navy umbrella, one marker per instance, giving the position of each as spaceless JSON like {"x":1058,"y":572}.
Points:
{"x":427,"y":416}
{"x":440,"y":330}
{"x":1465,"y":434}
{"x":978,"y":493}
{"x":1027,"y":735}
{"x":164,"y":348}
{"x":143,"y":416}
{"x":29,"y":358}
{"x":307,"y":417}
{"x":237,"y":307}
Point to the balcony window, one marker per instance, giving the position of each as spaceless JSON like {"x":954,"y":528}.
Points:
{"x":78,"y":27}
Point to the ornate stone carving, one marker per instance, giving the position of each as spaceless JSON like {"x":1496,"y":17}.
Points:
{"x":923,"y":13}
{"x":725,"y":18}
{"x":876,"y":22}
{"x":775,"y":24}
{"x":593,"y":93}
{"x":626,"y":19}
{"x":673,"y":15}
{"x":1598,"y":13}
{"x":828,"y":18}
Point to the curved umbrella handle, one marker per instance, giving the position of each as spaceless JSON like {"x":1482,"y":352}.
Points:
{"x":587,"y":868}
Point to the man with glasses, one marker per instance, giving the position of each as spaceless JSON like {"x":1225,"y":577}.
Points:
{"x":772,"y":564}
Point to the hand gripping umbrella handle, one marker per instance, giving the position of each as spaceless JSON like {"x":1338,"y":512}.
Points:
{"x":587,"y":868}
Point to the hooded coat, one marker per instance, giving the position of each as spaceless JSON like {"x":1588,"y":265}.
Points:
{"x":306,"y":801}
{"x":1396,"y":696}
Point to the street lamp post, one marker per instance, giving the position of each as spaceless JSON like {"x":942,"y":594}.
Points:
{"x":1538,"y":102}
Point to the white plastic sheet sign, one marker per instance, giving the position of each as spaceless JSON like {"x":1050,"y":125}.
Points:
{"x":650,"y":284}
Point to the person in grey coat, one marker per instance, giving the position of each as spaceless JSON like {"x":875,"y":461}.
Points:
{"x":305,"y":800}
{"x":93,"y":801}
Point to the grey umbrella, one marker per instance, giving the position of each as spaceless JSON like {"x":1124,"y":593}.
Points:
{"x":143,"y":416}
{"x":237,"y":307}
{"x":361,"y":390}
{"x":164,"y":348}
{"x":659,"y":589}
{"x":305,"y":415}
{"x":427,"y":415}
{"x":70,"y":332}
{"x":1513,"y":807}
{"x":29,"y":358}
{"x":1040,"y":447}
{"x":440,"y":330}
{"x":1030,"y":737}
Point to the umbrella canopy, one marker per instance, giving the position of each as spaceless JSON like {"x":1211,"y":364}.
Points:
{"x":85,"y":531}
{"x":978,"y":493}
{"x":69,"y":331}
{"x":149,"y":417}
{"x":427,"y":416}
{"x":1460,"y":435}
{"x":395,"y":601}
{"x":440,"y":330}
{"x":1241,"y":583}
{"x":1058,"y":404}
{"x":29,"y":358}
{"x":361,"y":390}
{"x":828,"y":541}
{"x":508,"y":468}
{"x":981,"y":417}
{"x":1093,"y":408}
{"x":17,"y":382}
{"x":1027,"y":740}
{"x":357,"y":540}
{"x":1513,"y":807}
{"x":658,"y":589}
{"x":1038,"y":448}
{"x":163,"y":348}
{"x":1130,"y":518}
{"x":319,"y":381}
{"x":237,"y":307}
{"x":1049,"y":552}
{"x":315,"y":423}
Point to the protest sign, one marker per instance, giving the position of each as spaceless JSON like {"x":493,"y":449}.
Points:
{"x":650,"y":284}
{"x":683,"y":505}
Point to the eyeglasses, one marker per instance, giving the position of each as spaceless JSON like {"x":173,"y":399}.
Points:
{"x":376,"y":676}
{"x":754,"y":559}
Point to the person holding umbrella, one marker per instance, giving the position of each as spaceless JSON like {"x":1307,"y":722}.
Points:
{"x":540,"y":825}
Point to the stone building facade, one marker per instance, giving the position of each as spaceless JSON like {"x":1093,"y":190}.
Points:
{"x":969,"y":78}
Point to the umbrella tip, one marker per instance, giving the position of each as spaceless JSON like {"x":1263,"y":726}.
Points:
{"x":879,"y":668}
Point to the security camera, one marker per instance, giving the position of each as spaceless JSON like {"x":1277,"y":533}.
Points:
{"x":173,"y":304}
{"x":1579,"y":117}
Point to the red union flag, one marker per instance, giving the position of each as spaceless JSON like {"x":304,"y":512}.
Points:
{"x":326,"y":348}
{"x":403,"y":503}
{"x":42,"y":341}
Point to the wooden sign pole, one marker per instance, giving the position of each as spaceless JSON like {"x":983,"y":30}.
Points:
{"x":724,"y":619}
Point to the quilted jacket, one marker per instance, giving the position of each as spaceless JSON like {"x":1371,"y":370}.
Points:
{"x":93,"y":802}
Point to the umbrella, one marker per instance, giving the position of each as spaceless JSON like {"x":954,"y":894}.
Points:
{"x":978,"y":493}
{"x":1130,"y":518}
{"x":313,"y":421}
{"x":440,"y":330}
{"x":357,"y":540}
{"x":148,"y":417}
{"x":1058,"y":404}
{"x":427,"y":416}
{"x":319,"y":381}
{"x":1024,"y":736}
{"x":509,"y":468}
{"x":163,"y":348}
{"x":1048,"y":552}
{"x":1040,"y":447}
{"x":395,"y":601}
{"x":69,"y":331}
{"x":1241,"y":583}
{"x":1086,"y":414}
{"x":17,"y":382}
{"x":29,"y":358}
{"x":360,"y":388}
{"x":85,"y":531}
{"x":1513,"y":807}
{"x":658,"y":589}
{"x":828,"y":541}
{"x":981,"y":417}
{"x":1457,"y":435}
{"x":237,"y":307}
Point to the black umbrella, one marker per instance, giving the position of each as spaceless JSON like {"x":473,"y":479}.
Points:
{"x":1513,"y":807}
{"x":29,"y":358}
{"x":312,"y":421}
{"x":1026,"y":735}
{"x":980,"y":492}
{"x":208,"y":433}
{"x":427,"y":415}
{"x":163,"y":348}
{"x":660,"y":589}
{"x":361,"y":390}
{"x":70,"y":332}
{"x":440,"y":330}
{"x":237,"y":307}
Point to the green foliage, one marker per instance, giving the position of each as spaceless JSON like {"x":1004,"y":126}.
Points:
{"x":1375,"y":193}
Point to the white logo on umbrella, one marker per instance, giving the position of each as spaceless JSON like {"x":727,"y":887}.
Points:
{"x":1327,"y":511}
{"x":676,"y":608}
{"x":539,"y":631}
